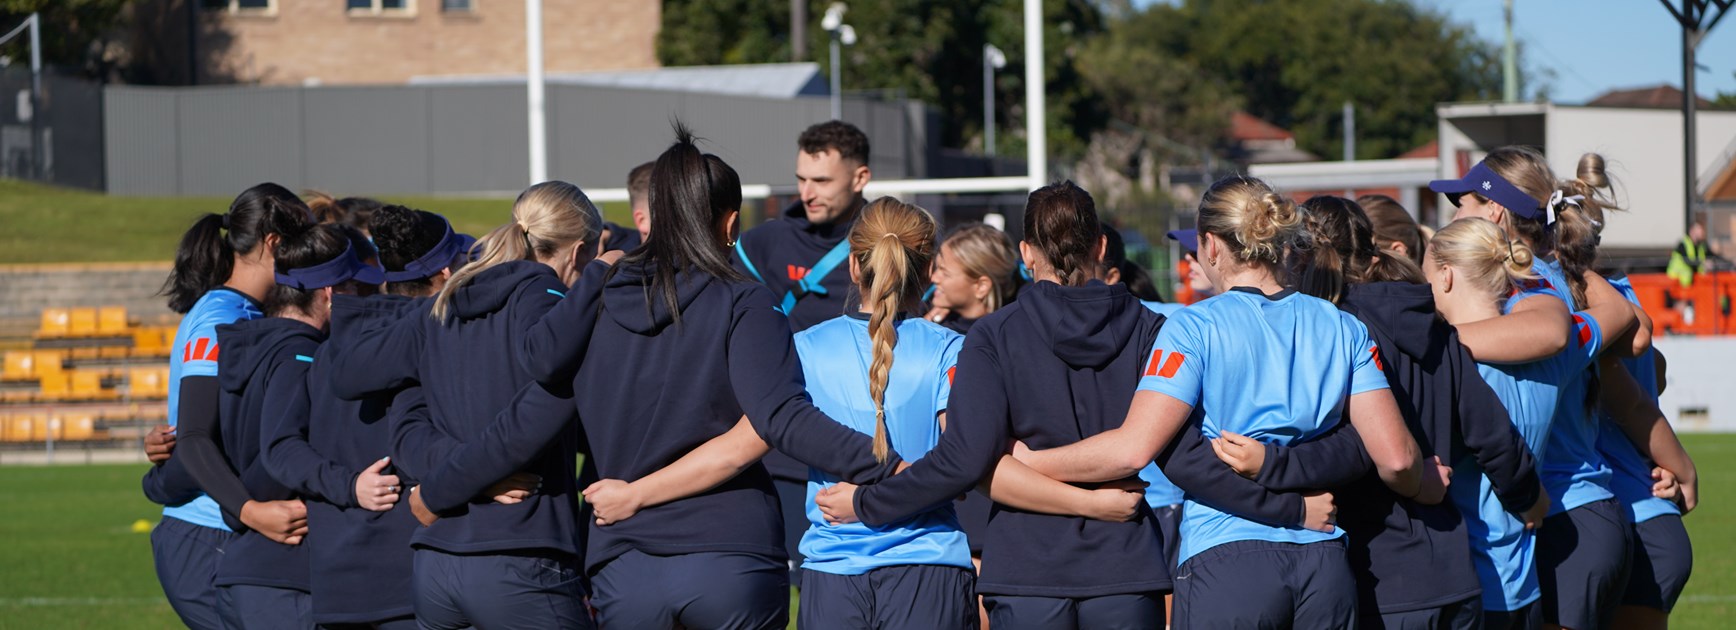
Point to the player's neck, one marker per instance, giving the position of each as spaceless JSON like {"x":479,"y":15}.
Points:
{"x":251,"y":278}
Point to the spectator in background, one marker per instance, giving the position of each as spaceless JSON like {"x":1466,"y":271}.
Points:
{"x":1690,"y":255}
{"x":1394,"y":229}
{"x":1196,"y":276}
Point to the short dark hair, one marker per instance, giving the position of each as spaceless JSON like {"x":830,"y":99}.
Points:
{"x":403,"y":235}
{"x":639,"y":182}
{"x":835,"y":135}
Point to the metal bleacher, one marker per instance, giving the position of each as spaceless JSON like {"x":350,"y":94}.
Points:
{"x":84,"y":375}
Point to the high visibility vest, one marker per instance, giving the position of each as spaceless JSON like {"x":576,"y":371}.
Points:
{"x":1685,"y":261}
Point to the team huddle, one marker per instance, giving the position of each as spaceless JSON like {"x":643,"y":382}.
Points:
{"x":378,"y":422}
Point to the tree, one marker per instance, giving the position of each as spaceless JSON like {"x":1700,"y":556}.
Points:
{"x":927,"y":50}
{"x":1297,"y":61}
{"x":73,"y":31}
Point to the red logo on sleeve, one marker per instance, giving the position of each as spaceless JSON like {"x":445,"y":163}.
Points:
{"x":1583,"y":328}
{"x":796,"y":272}
{"x":949,"y":372}
{"x":1378,"y":364}
{"x":196,"y":350}
{"x":1169,"y":367}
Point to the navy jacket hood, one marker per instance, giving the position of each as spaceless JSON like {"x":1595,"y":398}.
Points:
{"x":251,"y":344}
{"x":640,"y":308}
{"x":1086,"y":326}
{"x":490,"y":290}
{"x":1404,"y":311}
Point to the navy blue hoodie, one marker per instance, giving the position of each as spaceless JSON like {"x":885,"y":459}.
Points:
{"x":264,"y":367}
{"x":469,"y":373}
{"x":1452,"y":413}
{"x":1057,"y":366}
{"x":663,"y":388}
{"x":318,"y":445}
{"x":783,"y":251}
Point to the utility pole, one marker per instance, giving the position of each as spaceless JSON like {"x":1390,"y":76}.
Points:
{"x":1510,"y":60}
{"x":539,"y":147}
{"x":1693,"y":16}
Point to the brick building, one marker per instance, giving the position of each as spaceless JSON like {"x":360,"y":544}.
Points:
{"x":308,"y":42}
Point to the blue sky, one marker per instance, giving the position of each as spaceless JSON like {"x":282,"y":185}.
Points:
{"x":1593,"y":46}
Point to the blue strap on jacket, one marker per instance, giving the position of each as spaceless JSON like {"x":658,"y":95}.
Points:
{"x":809,"y":283}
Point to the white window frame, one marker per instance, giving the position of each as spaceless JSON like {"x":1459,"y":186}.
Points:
{"x":379,"y":9}
{"x":233,"y":7}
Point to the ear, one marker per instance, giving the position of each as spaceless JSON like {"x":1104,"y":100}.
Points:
{"x":1399,"y":248}
{"x":1102,"y":249}
{"x":1498,"y":214}
{"x":855,"y":271}
{"x":1113,"y":276}
{"x":730,"y":226}
{"x":1027,"y":253}
{"x":859,"y":178}
{"x":981,"y":287}
{"x":573,"y":256}
{"x":1448,"y":276}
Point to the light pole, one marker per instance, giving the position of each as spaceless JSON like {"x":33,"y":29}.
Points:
{"x":993,"y":59}
{"x":533,"y":38}
{"x":842,"y":35}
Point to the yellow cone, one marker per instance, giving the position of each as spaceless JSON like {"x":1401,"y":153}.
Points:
{"x":141,"y":526}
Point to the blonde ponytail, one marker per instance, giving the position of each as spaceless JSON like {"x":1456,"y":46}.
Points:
{"x":546,"y":219}
{"x":892,"y":244}
{"x":1483,"y":255}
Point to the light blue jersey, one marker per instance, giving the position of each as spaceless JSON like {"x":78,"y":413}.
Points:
{"x":1279,"y":370}
{"x":1502,"y":550}
{"x":1632,"y":478}
{"x":1574,"y":473}
{"x":1159,"y":492}
{"x":835,"y":358}
{"x":195,"y":354}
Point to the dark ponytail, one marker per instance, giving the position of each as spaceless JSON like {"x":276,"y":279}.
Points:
{"x":691,"y":194}
{"x":1061,"y":221}
{"x":1340,"y":250}
{"x":206,"y":256}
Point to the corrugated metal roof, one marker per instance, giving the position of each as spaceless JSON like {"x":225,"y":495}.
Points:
{"x":770,"y":80}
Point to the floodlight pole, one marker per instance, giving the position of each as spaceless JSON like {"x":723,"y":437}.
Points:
{"x":993,"y":59}
{"x":36,"y":152}
{"x":1693,"y":18}
{"x":34,"y":26}
{"x":1036,"y":140}
{"x":539,"y":150}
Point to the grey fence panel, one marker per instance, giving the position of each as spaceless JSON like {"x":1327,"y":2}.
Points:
{"x":141,"y":141}
{"x":477,"y":139}
{"x":366,"y":140}
{"x":596,"y":136}
{"x":457,"y":139}
{"x":234,"y":138}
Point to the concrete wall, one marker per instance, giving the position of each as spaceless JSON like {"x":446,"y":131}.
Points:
{"x":459,"y":139}
{"x":1699,"y":395}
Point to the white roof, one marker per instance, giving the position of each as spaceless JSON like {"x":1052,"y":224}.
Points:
{"x":770,"y":80}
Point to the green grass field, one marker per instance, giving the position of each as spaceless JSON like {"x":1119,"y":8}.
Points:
{"x":53,"y":225}
{"x":69,"y":557}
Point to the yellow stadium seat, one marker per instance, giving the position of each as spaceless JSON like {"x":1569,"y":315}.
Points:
{"x":19,"y":366}
{"x":56,"y":386}
{"x":55,"y":323}
{"x":77,"y":428}
{"x":41,"y":429}
{"x":111,"y":321}
{"x":148,"y":382}
{"x":83,"y":323}
{"x":87,"y":385}
{"x":148,"y":342}
{"x":48,"y":362}
{"x":18,"y":428}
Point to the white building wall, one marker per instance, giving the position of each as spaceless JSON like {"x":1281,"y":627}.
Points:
{"x":1643,"y":151}
{"x":1698,"y":396}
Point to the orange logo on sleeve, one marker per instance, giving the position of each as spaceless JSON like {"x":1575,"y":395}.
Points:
{"x":1583,"y":328}
{"x":949,"y":372}
{"x":1378,"y":364}
{"x":196,"y":350}
{"x":1168,"y":367}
